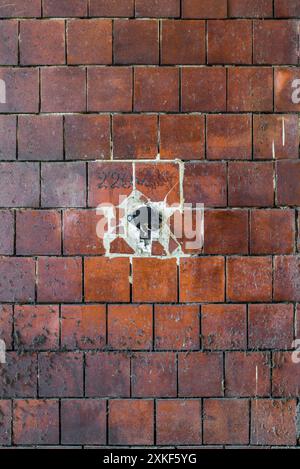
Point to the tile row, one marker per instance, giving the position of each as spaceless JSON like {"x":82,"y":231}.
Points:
{"x":149,"y":42}
{"x":256,"y":279}
{"x":132,"y":422}
{"x":157,"y":8}
{"x":214,"y":184}
{"x":139,"y":136}
{"x":149,"y":374}
{"x":72,"y":232}
{"x":146,"y":328}
{"x":150,"y":89}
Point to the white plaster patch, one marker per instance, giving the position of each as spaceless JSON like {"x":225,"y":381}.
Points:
{"x":136,"y":236}
{"x":140,"y":227}
{"x":140,"y":223}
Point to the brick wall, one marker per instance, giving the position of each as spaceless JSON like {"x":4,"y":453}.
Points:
{"x":105,"y":351}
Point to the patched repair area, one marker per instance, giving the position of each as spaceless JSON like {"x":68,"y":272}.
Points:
{"x":159,"y":224}
{"x":149,"y":224}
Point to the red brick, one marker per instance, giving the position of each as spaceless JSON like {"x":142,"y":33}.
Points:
{"x":8,"y":140}
{"x":273,"y":422}
{"x":5,"y":422}
{"x":157,"y":8}
{"x":83,"y":327}
{"x":204,"y":9}
{"x":110,"y":89}
{"x":21,"y":9}
{"x":229,"y":137}
{"x":135,"y":136}
{"x":250,"y":89}
{"x":60,"y":374}
{"x":182,"y":137}
{"x":83,"y":421}
{"x":120,"y":246}
{"x":107,"y":374}
{"x":147,"y":280}
{"x":18,"y":376}
{"x":287,"y":96}
{"x":202,"y":279}
{"x":287,"y":278}
{"x":270,"y":326}
{"x":19,"y":184}
{"x":87,"y":137}
{"x":224,"y":327}
{"x":107,"y":280}
{"x":130,"y":327}
{"x":191,"y":240}
{"x":204,"y":89}
{"x":108,"y":182}
{"x":226,"y":232}
{"x":111,"y":8}
{"x":64,"y":8}
{"x":159,"y":181}
{"x":178,"y":422}
{"x":63,"y":89}
{"x":286,"y":375}
{"x":226,"y":421}
{"x":288,"y":188}
{"x":156,"y":89}
{"x":42,"y":42}
{"x":205,"y":183}
{"x":22,"y":89}
{"x":131,"y":422}
{"x":247,"y":374}
{"x":40,"y":138}
{"x":298,"y":230}
{"x":183,"y":42}
{"x":136,"y":42}
{"x":89,"y":42}
{"x":6,"y":232}
{"x":8,"y":42}
{"x":276,"y":136}
{"x":45,"y":447}
{"x":287,"y":8}
{"x":200,"y":374}
{"x":63,"y":184}
{"x":251,"y":184}
{"x":36,"y":327}
{"x":188,"y":228}
{"x":79,"y":235}
{"x":275,"y":42}
{"x":59,"y":279}
{"x":249,"y":279}
{"x":154,"y":374}
{"x":272,"y":231}
{"x":255,"y":447}
{"x":6,"y":325}
{"x":36,"y":422}
{"x":177,"y":327}
{"x":17,"y":279}
{"x":225,"y":38}
{"x":255,"y":8}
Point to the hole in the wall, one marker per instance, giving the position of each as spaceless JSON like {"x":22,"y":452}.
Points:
{"x":151,"y":228}
{"x":141,"y":223}
{"x":153,"y":220}
{"x":147,"y":220}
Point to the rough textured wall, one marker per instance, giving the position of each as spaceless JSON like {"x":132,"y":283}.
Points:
{"x":112,"y":350}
